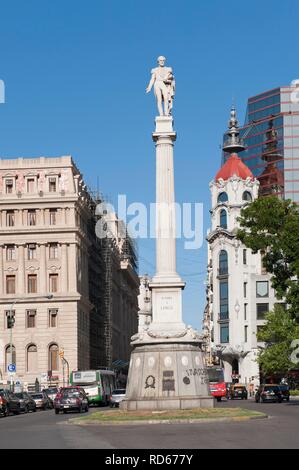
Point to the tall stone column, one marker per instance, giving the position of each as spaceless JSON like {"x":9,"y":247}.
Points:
{"x":166,"y":285}
{"x":165,"y":201}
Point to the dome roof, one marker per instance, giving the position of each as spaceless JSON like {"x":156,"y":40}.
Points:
{"x":234,"y":166}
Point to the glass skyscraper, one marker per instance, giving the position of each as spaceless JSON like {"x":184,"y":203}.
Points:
{"x":270,"y":136}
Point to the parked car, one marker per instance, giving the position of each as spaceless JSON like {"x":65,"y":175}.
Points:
{"x":41,"y":400}
{"x":285,"y":391}
{"x":268,"y":392}
{"x":26,"y":401}
{"x":70,"y":388}
{"x":3,"y":405}
{"x":51,"y":393}
{"x":238,"y":391}
{"x":117,"y":396}
{"x":70,"y":400}
{"x":12,"y":401}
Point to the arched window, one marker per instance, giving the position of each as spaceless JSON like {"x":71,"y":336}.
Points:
{"x":223,"y":218}
{"x":222,"y":197}
{"x":8,"y":358}
{"x":31,"y":358}
{"x":223,"y":266}
{"x":247,"y":196}
{"x":53,"y":357}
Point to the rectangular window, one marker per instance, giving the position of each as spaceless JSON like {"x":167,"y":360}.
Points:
{"x":223,"y":288}
{"x":53,"y":213}
{"x":30,"y":318}
{"x":52,"y":185}
{"x":10,"y":318}
{"x":261,"y":310}
{"x":10,"y":252}
{"x":30,"y":185}
{"x":224,"y":333}
{"x":10,"y":284}
{"x":262,"y":288}
{"x":31,"y":217}
{"x":32,"y":283}
{"x":245,"y":334}
{"x":245,"y":311}
{"x":245,"y":289}
{"x":8,"y":186}
{"x":53,"y":282}
{"x":244,"y":256}
{"x":53,"y":312}
{"x":53,"y":250}
{"x":31,"y":251}
{"x":10,"y":218}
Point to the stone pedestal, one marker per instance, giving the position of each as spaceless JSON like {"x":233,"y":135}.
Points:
{"x":167,"y":375}
{"x":166,"y":368}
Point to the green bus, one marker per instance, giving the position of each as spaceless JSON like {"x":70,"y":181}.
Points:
{"x":98,"y":384}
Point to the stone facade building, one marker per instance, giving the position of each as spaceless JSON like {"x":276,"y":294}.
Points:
{"x":68,"y":291}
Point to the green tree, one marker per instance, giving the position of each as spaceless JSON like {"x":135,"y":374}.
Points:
{"x":278,"y":335}
{"x":271,"y":226}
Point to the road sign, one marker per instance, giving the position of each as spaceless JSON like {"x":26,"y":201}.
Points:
{"x":44,"y":377}
{"x":11,"y":368}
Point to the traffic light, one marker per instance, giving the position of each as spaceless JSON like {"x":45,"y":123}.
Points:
{"x":61,"y":354}
{"x":10,"y":321}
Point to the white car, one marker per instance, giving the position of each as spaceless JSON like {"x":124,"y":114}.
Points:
{"x":117,"y":396}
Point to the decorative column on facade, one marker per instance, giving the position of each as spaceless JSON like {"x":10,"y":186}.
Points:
{"x":64,"y":268}
{"x":72,"y":267}
{"x":21,"y":269}
{"x":1,"y":270}
{"x":43,"y":269}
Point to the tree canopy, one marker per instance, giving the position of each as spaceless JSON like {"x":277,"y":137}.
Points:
{"x":278,"y":335}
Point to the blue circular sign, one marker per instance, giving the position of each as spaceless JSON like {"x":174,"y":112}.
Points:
{"x":11,"y":368}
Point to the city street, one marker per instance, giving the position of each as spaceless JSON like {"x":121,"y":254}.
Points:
{"x":45,"y":430}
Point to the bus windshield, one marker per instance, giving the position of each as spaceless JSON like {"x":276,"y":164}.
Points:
{"x":215,"y":375}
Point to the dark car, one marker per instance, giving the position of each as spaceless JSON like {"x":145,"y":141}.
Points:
{"x":13,"y":404}
{"x":71,"y":400}
{"x":268,"y":392}
{"x":26,"y":401}
{"x":41,"y":400}
{"x":285,"y":391}
{"x":238,"y":391}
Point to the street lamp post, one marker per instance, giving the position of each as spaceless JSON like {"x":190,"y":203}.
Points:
{"x":11,"y":323}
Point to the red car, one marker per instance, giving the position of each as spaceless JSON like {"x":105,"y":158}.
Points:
{"x":3,"y":405}
{"x":69,"y":388}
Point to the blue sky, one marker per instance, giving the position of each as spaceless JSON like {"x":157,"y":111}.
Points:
{"x":75,"y":75}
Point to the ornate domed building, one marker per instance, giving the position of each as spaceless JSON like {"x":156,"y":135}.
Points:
{"x":239,"y":291}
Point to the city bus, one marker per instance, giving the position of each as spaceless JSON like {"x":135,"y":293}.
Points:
{"x":97,"y":384}
{"x":217,"y":384}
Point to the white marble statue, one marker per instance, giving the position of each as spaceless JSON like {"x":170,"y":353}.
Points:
{"x":164,"y":86}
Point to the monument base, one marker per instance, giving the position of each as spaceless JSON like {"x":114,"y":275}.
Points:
{"x":167,"y":376}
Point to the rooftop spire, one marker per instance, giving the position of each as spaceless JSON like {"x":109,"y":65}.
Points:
{"x":232,"y":142}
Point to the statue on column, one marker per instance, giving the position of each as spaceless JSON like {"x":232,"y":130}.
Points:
{"x":162,"y":80}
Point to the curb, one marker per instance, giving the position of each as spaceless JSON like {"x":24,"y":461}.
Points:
{"x":170,"y":421}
